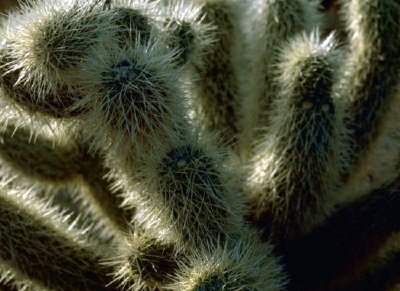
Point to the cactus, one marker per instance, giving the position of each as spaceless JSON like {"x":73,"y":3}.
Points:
{"x":40,"y":248}
{"x":264,"y":26}
{"x":185,"y":175}
{"x":146,"y":262}
{"x":199,"y":145}
{"x":215,"y":267}
{"x":298,"y":165}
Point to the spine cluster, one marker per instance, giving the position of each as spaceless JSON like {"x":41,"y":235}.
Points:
{"x":199,"y":145}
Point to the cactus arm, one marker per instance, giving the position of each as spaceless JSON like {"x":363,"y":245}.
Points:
{"x":297,"y":167}
{"x":265,"y":25}
{"x":370,"y":76}
{"x":35,"y":245}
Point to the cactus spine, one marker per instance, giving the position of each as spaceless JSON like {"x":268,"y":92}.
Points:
{"x":125,"y":187}
{"x":215,"y":268}
{"x":297,"y":166}
{"x":53,"y":259}
{"x":370,"y":77}
{"x":185,"y":187}
{"x":265,"y":25}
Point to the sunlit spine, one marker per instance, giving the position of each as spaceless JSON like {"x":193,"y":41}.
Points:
{"x":369,"y":78}
{"x":38,"y":157}
{"x":133,"y":19}
{"x":42,"y":43}
{"x":264,"y":26}
{"x":20,"y":97}
{"x":215,"y":89}
{"x":184,"y":191}
{"x":242,"y":264}
{"x":46,"y":162}
{"x":10,"y":282}
{"x":145,"y":263}
{"x":184,"y":28}
{"x":296,"y":168}
{"x":38,"y":245}
{"x":128,"y":94}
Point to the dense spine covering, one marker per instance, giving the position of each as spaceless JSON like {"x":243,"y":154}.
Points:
{"x":101,"y":195}
{"x":216,"y":88}
{"x":296,"y":168}
{"x":10,"y":282}
{"x":35,"y":246}
{"x":131,"y":89}
{"x":182,"y":189}
{"x":377,"y":165}
{"x":215,"y":267}
{"x":146,"y":262}
{"x":38,"y":157}
{"x":371,"y":74}
{"x":44,"y":161}
{"x":186,"y":30}
{"x":48,"y":46}
{"x":265,"y":24}
{"x":134,"y":19}
{"x":20,"y":96}
{"x":129,"y":93}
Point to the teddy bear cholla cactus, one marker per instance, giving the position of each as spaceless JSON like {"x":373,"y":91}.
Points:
{"x":132,"y":88}
{"x":282,"y":182}
{"x":124,"y":98}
